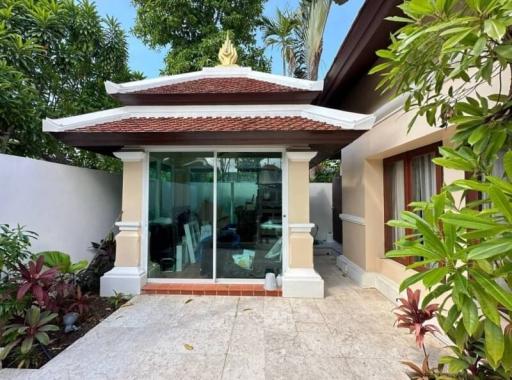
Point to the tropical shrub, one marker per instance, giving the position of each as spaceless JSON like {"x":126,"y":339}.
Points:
{"x":80,"y":302}
{"x":442,"y":59}
{"x":62,"y":262}
{"x":102,"y":262}
{"x":412,"y":316}
{"x":26,"y":335}
{"x":14,"y":247}
{"x":36,"y":281}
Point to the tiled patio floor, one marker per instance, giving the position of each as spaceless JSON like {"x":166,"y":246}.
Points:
{"x":347,"y":335}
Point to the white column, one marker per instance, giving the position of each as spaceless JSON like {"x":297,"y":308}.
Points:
{"x":300,"y":278}
{"x":128,"y":276}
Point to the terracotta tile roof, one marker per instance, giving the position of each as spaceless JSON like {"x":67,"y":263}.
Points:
{"x":218,"y":86}
{"x":209,"y":124}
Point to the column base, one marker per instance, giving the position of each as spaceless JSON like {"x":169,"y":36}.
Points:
{"x":126,"y":280}
{"x":303,"y":283}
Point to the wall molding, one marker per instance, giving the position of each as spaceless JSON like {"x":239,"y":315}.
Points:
{"x":300,"y":156}
{"x":128,"y":226}
{"x":130,"y":156}
{"x":301,"y":227}
{"x":352,"y":219}
{"x":355,"y":272}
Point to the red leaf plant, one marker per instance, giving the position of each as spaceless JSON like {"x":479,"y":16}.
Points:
{"x":81,"y":302}
{"x":413,"y":317}
{"x":35,"y":280}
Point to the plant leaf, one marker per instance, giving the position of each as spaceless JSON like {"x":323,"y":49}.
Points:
{"x":494,"y":341}
{"x":495,"y":29}
{"x":26,"y":344}
{"x":493,"y":289}
{"x":469,"y":315}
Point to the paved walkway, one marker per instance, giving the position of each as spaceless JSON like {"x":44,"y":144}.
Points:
{"x":347,"y":335}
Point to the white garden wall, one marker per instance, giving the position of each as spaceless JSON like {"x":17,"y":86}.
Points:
{"x":320,"y":208}
{"x":68,"y":207}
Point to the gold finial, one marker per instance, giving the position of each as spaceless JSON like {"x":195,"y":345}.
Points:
{"x":227,"y":53}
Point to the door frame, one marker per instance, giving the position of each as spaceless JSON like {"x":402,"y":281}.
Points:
{"x":144,"y":249}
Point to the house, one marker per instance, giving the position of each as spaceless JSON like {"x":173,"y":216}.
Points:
{"x":216,"y":169}
{"x":386,"y":168}
{"x":215,"y":175}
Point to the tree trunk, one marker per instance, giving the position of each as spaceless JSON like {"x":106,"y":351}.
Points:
{"x":284,"y":62}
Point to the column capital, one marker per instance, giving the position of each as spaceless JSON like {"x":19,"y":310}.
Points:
{"x":301,"y":227}
{"x":130,"y":156}
{"x":128,"y":226}
{"x":301,"y":156}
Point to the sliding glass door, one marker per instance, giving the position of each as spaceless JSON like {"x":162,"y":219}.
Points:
{"x":249,"y":214}
{"x":180,"y":215}
{"x":214,"y":215}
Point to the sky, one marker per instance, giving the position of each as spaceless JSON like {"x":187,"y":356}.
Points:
{"x":149,"y":61}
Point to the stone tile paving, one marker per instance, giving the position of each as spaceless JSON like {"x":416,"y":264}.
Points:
{"x":347,"y":335}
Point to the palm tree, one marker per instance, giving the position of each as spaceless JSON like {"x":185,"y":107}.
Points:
{"x":314,"y":15}
{"x":280,"y":32}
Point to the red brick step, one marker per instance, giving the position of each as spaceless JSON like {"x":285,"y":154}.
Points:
{"x":211,"y":289}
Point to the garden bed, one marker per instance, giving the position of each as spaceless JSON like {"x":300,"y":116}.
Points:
{"x":100,"y":308}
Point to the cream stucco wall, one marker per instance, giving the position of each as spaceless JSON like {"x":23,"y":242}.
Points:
{"x":298,"y":191}
{"x":363,"y":188}
{"x":300,"y":247}
{"x":128,"y":240}
{"x":132,"y":191}
{"x":363,"y":183}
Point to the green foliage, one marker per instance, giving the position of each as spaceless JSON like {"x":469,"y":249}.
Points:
{"x":27,"y":335}
{"x":14,"y":247}
{"x":444,"y":56}
{"x":195,"y":29}
{"x":299,"y":36}
{"x":280,"y":32}
{"x":326,"y":171}
{"x":62,"y":262}
{"x":54,"y":59}
{"x":118,"y":300}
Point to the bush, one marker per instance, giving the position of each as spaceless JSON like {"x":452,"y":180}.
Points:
{"x":32,"y":296}
{"x":14,"y":247}
{"x":439,"y":59}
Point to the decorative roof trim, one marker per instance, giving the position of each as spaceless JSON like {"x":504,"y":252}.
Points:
{"x":341,"y":119}
{"x":213,"y":72}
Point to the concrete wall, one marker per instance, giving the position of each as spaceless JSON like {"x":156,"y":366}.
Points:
{"x":320,"y":206}
{"x":68,"y":207}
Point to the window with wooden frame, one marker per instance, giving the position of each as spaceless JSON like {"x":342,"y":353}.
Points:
{"x":408,"y":177}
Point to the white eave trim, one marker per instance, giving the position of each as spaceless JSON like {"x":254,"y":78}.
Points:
{"x":213,"y":72}
{"x":389,"y":108}
{"x":341,"y":119}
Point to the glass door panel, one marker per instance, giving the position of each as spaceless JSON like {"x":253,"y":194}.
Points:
{"x":180,"y":215}
{"x":249,"y":214}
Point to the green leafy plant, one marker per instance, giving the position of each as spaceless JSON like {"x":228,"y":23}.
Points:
{"x":54,"y":58}
{"x":442,"y":59}
{"x":27,"y":335}
{"x":326,"y":171}
{"x":14,"y":247}
{"x":62,"y":262}
{"x":194,"y":30}
{"x":118,"y":299}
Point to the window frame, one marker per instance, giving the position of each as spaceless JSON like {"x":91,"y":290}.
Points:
{"x":407,"y":158}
